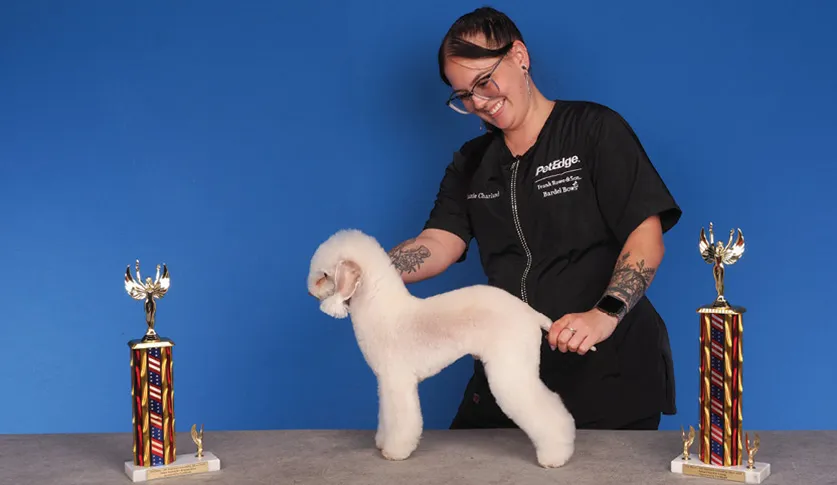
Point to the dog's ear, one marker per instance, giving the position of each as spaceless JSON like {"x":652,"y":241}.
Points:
{"x":346,"y":281}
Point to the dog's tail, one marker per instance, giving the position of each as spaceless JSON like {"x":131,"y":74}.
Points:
{"x":545,"y":322}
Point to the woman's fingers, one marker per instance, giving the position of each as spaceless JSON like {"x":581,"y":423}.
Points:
{"x":578,"y":336}
{"x":569,"y":333}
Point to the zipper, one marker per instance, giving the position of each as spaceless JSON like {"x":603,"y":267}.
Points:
{"x":519,"y":229}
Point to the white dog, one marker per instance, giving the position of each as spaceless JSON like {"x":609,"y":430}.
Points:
{"x":406,"y":339}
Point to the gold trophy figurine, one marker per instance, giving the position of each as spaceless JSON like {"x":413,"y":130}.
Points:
{"x":752,"y":448}
{"x":197,"y":437}
{"x":148,"y":291}
{"x":687,"y":441}
{"x":718,"y":255}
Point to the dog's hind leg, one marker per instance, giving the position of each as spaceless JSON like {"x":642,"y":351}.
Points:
{"x":538,"y":411}
{"x":401,"y":422}
{"x":379,"y":435}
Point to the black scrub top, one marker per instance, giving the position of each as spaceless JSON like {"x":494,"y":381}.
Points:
{"x":549,"y":226}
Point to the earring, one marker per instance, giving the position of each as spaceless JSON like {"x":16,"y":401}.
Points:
{"x":528,"y":86}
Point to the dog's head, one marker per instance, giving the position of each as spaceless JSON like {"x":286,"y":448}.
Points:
{"x":335,"y":273}
{"x":335,"y":286}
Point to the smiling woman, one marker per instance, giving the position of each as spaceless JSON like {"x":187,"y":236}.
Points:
{"x":569,"y":215}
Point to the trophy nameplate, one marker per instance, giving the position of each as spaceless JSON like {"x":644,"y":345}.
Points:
{"x":152,"y":395}
{"x":720,"y":424}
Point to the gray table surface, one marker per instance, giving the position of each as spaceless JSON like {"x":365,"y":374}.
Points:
{"x":482,"y":457}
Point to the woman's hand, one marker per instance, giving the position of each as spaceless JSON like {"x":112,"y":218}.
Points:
{"x":577,"y":332}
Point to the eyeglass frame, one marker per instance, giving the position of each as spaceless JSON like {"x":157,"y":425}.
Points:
{"x":486,"y":78}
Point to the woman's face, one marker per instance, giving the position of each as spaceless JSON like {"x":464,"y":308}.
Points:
{"x":503,"y":81}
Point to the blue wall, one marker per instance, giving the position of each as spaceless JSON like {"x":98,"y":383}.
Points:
{"x":209,"y":135}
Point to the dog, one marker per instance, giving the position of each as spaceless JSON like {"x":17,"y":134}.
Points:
{"x":405,"y":339}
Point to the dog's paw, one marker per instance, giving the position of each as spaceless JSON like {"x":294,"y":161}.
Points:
{"x":555,"y":456}
{"x":396,"y":453}
{"x":397,"y":449}
{"x":379,"y":440}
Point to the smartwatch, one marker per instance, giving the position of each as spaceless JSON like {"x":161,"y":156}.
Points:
{"x":612,"y":306}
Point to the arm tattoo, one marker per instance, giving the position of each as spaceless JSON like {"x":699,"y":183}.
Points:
{"x":408,"y":260}
{"x":630,"y":281}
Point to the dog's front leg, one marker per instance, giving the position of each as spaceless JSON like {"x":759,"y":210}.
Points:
{"x":381,"y":433}
{"x":401,"y":413}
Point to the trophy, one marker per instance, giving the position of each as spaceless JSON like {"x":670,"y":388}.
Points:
{"x":719,"y":436}
{"x":152,"y":395}
{"x":197,"y":437}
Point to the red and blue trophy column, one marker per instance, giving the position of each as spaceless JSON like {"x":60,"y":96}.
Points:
{"x":721,"y":365}
{"x":152,"y":395}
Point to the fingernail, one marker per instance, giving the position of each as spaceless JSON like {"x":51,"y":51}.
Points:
{"x":551,"y":346}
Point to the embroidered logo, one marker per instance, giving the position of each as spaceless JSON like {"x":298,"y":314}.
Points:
{"x":559,"y":164}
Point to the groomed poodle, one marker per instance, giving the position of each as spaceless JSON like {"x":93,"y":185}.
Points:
{"x":406,"y":339}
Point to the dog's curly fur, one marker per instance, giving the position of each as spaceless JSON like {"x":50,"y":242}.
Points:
{"x":406,"y":339}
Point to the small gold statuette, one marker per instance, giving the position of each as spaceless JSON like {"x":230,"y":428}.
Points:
{"x":752,"y":448}
{"x":148,"y":291}
{"x":687,"y":441}
{"x":718,"y":255}
{"x":197,"y":437}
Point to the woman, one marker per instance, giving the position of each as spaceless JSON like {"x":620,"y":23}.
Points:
{"x":568,"y":214}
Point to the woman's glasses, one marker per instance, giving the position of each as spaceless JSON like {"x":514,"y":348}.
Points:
{"x":485,"y":88}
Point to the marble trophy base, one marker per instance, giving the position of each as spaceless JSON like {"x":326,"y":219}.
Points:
{"x":186,"y":464}
{"x":739,"y":473}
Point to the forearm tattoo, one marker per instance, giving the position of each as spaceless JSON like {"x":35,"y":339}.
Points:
{"x":408,"y":260}
{"x":630,"y":281}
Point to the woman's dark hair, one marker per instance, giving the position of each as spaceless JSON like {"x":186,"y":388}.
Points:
{"x":497,"y":28}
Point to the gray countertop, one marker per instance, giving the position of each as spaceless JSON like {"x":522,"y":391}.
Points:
{"x":480,"y":457}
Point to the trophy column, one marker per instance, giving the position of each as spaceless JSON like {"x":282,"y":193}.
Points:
{"x":721,"y":385}
{"x":152,"y":396}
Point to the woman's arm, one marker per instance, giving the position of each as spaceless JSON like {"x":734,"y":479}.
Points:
{"x":633,"y":273}
{"x":427,"y":255}
{"x":637,"y":265}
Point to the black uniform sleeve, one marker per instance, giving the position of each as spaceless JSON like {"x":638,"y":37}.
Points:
{"x":449,"y":211}
{"x":628,"y":187}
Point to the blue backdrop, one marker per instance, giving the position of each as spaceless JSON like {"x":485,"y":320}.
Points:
{"x":228,"y":139}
